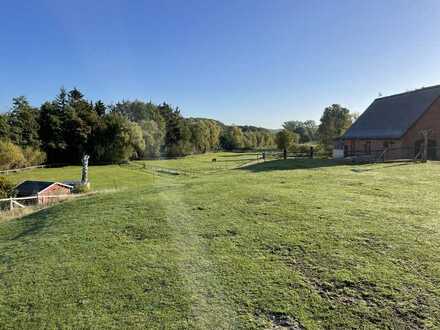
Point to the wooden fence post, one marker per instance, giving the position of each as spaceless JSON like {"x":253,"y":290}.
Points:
{"x":11,"y":204}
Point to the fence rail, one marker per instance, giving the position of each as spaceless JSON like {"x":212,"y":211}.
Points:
{"x":394,"y":154}
{"x":16,"y":201}
{"x":15,"y":170}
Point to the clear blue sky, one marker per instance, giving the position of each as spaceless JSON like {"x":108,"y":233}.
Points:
{"x":257,"y":62}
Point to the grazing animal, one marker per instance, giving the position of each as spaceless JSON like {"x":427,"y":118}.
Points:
{"x":214,"y":160}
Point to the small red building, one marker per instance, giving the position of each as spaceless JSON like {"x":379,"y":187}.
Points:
{"x":42,"y":190}
{"x":395,"y":124}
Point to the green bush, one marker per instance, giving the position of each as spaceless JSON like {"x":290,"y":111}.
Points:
{"x":6,"y":187}
{"x":81,"y":188}
{"x":11,"y":156}
{"x":301,"y":148}
{"x":322,"y":151}
{"x":34,"y":156}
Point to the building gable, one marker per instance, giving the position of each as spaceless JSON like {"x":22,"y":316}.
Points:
{"x":390,"y":117}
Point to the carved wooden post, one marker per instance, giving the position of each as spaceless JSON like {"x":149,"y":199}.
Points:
{"x":85,"y":170}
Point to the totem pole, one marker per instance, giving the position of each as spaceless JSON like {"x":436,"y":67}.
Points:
{"x":85,"y":170}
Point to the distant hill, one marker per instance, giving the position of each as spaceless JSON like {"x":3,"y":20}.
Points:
{"x":244,"y":128}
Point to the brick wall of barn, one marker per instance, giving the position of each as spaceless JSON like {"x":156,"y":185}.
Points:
{"x":51,"y":191}
{"x":372,"y":147}
{"x":430,"y":120}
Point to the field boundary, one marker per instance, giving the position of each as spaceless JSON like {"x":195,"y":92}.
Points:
{"x":16,"y":170}
{"x":15,"y":201}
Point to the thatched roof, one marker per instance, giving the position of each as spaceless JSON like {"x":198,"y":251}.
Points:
{"x":391,"y":116}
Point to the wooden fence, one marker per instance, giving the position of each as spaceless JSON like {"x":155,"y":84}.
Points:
{"x":15,"y":170}
{"x":20,"y":202}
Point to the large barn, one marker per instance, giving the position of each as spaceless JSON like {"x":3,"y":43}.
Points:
{"x":393,"y":126}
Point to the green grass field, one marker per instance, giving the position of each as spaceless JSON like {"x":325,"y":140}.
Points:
{"x":296,"y":244}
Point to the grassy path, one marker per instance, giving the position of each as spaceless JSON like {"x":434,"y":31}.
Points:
{"x":209,"y":310}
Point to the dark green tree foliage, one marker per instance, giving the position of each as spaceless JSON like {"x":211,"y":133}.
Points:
{"x":178,"y":132}
{"x":246,"y":137}
{"x":307,"y":130}
{"x":75,"y":96}
{"x":100,"y":108}
{"x":4,"y":127}
{"x":118,"y":139}
{"x":23,"y":123}
{"x":232,"y":138}
{"x":173,"y":124}
{"x":138,"y":111}
{"x":53,"y":121}
{"x":285,"y":139}
{"x":51,"y":131}
{"x":61,"y":100}
{"x":70,"y":126}
{"x":81,"y":120}
{"x":334,"y":122}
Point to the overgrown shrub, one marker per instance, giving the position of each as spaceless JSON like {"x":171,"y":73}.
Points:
{"x":11,"y":156}
{"x":34,"y":156}
{"x":322,"y":151}
{"x":6,"y":187}
{"x":81,"y":188}
{"x":301,"y":148}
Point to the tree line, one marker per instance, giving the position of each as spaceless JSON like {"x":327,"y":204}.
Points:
{"x":63,"y":129}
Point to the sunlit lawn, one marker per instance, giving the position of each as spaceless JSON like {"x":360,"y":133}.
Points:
{"x":297,"y":243}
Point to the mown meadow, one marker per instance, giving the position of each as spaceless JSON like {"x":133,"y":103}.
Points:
{"x":232,"y":244}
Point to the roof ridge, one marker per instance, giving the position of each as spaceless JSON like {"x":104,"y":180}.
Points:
{"x":408,"y":92}
{"x":39,"y":181}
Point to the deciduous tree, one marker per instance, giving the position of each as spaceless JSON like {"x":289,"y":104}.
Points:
{"x":307,"y":130}
{"x":284,"y":140}
{"x":334,"y":122}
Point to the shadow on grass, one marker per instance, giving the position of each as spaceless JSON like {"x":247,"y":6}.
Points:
{"x":291,"y":164}
{"x":33,"y":223}
{"x":305,"y":163}
{"x":238,"y":154}
{"x":360,"y":170}
{"x":235,"y":160}
{"x":39,"y":220}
